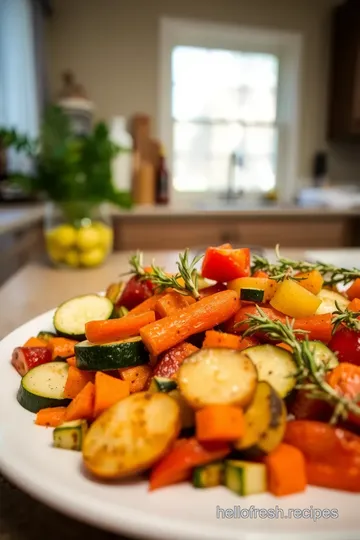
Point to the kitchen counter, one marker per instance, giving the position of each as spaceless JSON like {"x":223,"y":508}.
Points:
{"x":37,"y":288}
{"x":16,"y":217}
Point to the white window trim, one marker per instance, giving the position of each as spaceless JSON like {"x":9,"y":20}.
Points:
{"x":287,"y":46}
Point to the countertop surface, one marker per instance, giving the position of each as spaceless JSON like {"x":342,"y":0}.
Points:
{"x":14,"y":217}
{"x":37,"y":288}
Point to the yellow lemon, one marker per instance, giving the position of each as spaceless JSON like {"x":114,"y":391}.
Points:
{"x":63,"y":236}
{"x":92,"y":258}
{"x":106,"y":235}
{"x":72,"y":258}
{"x":56,"y":254}
{"x":88,"y":238}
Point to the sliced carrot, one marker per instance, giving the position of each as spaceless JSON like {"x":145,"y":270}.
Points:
{"x":312,"y":281}
{"x":108,"y":391}
{"x":51,"y":417}
{"x":345,"y":379}
{"x":236,"y":325}
{"x":76,"y":380}
{"x":170,"y":303}
{"x":71,"y":361}
{"x":161,"y":335}
{"x":82,"y":407}
{"x":354,"y":290}
{"x":35,"y":342}
{"x":219,"y":423}
{"x":62,"y":347}
{"x":246,"y":342}
{"x":285,"y":346}
{"x":148,"y":305}
{"x":260,"y":273}
{"x":116,"y":329}
{"x":169,"y":363}
{"x":286,"y":470}
{"x":214,"y":339}
{"x":354,"y":305}
{"x":137,"y":377}
{"x":333,"y":477}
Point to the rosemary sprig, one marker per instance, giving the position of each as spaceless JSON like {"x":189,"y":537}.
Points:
{"x":311,"y":375}
{"x":345,"y":317}
{"x":185,"y":281}
{"x":332,"y":274}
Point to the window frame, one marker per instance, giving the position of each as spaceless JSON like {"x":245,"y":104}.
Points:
{"x":287,"y":46}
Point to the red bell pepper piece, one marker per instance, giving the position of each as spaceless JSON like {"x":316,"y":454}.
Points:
{"x":135,"y":292}
{"x":25,"y":358}
{"x":224,"y":264}
{"x":186,"y":454}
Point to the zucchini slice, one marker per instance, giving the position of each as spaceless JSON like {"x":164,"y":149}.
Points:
{"x":162,"y":384}
{"x":46,"y":336}
{"x":274,"y":365}
{"x":210,"y":475}
{"x":187,"y":414}
{"x":71,"y":317}
{"x":245,"y":478}
{"x":328,"y":299}
{"x":117,"y":355}
{"x":43,"y":386}
{"x":265,"y":421}
{"x":216,"y":376}
{"x":323,"y":355}
{"x":70,"y":435}
{"x":252,"y":295}
{"x":132,"y":435}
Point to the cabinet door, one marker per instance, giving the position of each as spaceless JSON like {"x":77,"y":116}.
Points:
{"x":356,"y":97}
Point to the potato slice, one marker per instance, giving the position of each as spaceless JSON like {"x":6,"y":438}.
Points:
{"x":132,"y":435}
{"x":217,"y":376}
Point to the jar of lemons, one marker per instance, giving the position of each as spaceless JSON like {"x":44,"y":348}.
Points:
{"x":78,"y":234}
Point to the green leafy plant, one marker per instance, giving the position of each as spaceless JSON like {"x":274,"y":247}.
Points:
{"x":67,"y":168}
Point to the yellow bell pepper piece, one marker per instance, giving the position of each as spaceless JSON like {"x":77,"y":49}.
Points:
{"x":312,"y":281}
{"x":267,"y":285}
{"x":294,"y":300}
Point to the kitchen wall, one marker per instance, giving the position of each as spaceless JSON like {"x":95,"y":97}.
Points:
{"x":112,"y":45}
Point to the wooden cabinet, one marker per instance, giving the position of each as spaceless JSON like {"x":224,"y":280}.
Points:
{"x":344,"y":114}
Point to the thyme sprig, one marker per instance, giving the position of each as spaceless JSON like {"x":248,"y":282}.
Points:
{"x":185,"y":281}
{"x":310,"y":373}
{"x":332,"y":274}
{"x":346,"y":317}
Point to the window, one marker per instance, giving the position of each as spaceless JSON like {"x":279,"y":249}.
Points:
{"x":228,"y":108}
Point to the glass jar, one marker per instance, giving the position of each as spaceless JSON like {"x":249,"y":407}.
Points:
{"x":78,"y":234}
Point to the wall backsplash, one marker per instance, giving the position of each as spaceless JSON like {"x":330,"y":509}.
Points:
{"x":112,"y":45}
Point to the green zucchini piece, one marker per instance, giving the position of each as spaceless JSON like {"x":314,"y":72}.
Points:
{"x":274,"y":365}
{"x":245,"y":478}
{"x":323,"y":355}
{"x":71,"y":317}
{"x":129,"y":352}
{"x":252,"y":295}
{"x":70,"y":435}
{"x":187,"y":415}
{"x":329,"y":299}
{"x":46,"y":336}
{"x":161,"y":384}
{"x":43,"y":387}
{"x":210,"y":475}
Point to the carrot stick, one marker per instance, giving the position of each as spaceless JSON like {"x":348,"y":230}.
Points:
{"x":285,"y":346}
{"x":260,"y":273}
{"x":108,"y":391}
{"x":354,"y":305}
{"x":214,"y":339}
{"x":354,"y":290}
{"x":219,"y":423}
{"x":171,"y":302}
{"x":76,"y":380}
{"x":137,"y":377}
{"x":35,"y":342}
{"x":212,"y":289}
{"x":82,"y":407}
{"x":169,"y":363}
{"x":115,"y":329}
{"x":62,"y":347}
{"x":236,"y":324}
{"x":203,"y":315}
{"x":286,"y":470}
{"x":333,"y":476}
{"x":345,"y":379}
{"x":51,"y":417}
{"x":148,"y":305}
{"x":71,"y":361}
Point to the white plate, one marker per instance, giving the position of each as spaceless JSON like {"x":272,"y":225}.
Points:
{"x":180,"y":512}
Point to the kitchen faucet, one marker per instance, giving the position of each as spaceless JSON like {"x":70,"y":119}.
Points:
{"x":235,"y":160}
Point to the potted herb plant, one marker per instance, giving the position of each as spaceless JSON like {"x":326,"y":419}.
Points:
{"x":73,"y":174}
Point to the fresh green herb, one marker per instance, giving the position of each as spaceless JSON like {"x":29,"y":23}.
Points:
{"x":185,"y":281}
{"x":311,"y":375}
{"x":331,"y":274}
{"x":350,"y":319}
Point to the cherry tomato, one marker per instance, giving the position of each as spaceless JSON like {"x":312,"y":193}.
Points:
{"x":135,"y":292}
{"x":346,"y":343}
